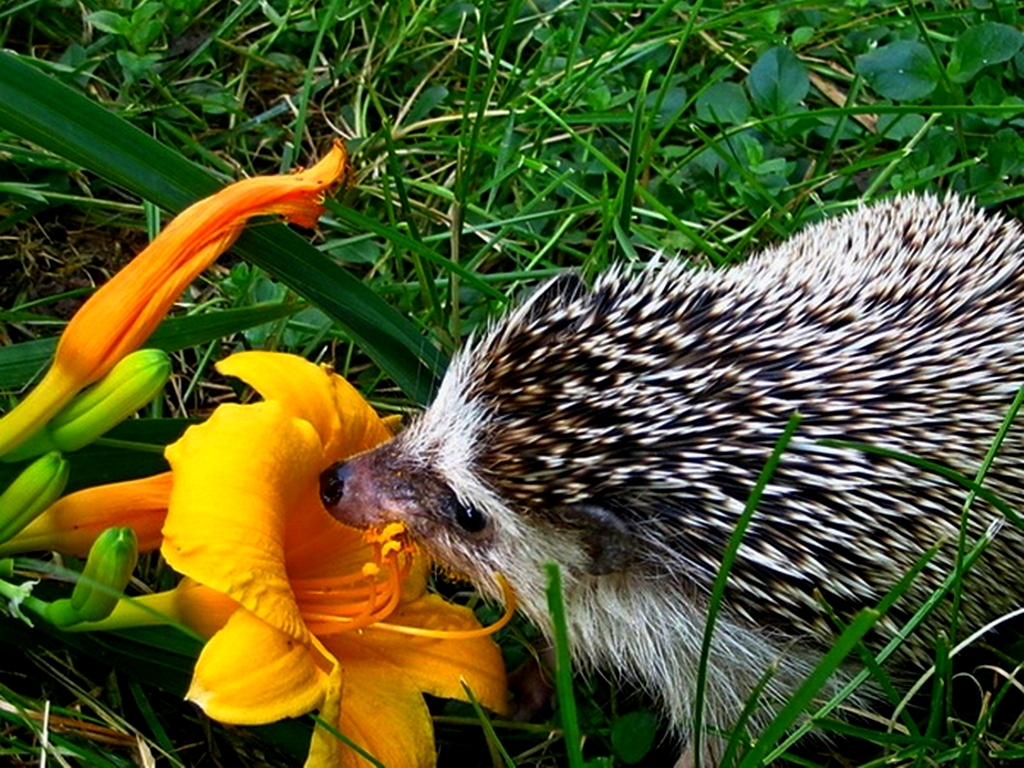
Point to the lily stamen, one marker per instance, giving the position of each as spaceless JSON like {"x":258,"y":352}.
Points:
{"x":332,"y":622}
{"x":509,"y":597}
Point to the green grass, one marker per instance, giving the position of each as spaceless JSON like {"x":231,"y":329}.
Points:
{"x":496,"y":144}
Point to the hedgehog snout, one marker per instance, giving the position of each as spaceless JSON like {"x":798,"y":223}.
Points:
{"x":362,"y":493}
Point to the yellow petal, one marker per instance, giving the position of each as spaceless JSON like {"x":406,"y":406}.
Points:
{"x":190,"y":604}
{"x":125,"y":311}
{"x":326,"y":751}
{"x":200,"y":608}
{"x":72,"y":523}
{"x":386,"y":717}
{"x":315,"y":543}
{"x":302,"y":388}
{"x":250,"y":673}
{"x":361,"y":427}
{"x":344,"y":420}
{"x":235,"y":479}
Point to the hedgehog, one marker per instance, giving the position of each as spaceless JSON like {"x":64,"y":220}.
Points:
{"x":619,"y":430}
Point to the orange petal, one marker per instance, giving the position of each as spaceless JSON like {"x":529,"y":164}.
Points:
{"x":72,"y":523}
{"x":125,"y":311}
{"x":386,"y":716}
{"x":250,"y":673}
{"x":236,"y":478}
{"x":318,"y":546}
{"x":434,"y":666}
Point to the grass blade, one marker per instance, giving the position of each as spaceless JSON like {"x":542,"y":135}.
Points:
{"x":799,"y":701}
{"x":485,"y":723}
{"x":718,"y":589}
{"x":563,"y":668}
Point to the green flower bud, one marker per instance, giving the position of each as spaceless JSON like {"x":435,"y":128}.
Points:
{"x":133,"y":382}
{"x":36,"y":445}
{"x":36,"y":488}
{"x":108,"y":568}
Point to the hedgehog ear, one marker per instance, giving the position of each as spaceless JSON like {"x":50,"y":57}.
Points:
{"x":606,"y":537}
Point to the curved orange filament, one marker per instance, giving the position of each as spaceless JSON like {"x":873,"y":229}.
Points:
{"x":381,"y":601}
{"x":358,"y":600}
{"x":456,"y":634}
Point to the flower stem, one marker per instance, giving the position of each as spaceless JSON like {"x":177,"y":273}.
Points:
{"x":18,"y":595}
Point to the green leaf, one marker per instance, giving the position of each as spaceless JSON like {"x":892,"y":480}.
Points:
{"x":980,"y":46}
{"x":899,"y":126}
{"x":109,"y":21}
{"x":723,"y":104}
{"x":901,"y":71}
{"x":633,"y":736}
{"x":43,"y":110}
{"x":20,"y":363}
{"x":430,"y":97}
{"x":23,"y":190}
{"x":778,"y":81}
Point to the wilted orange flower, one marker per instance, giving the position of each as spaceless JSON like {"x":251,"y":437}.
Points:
{"x":124,"y":312}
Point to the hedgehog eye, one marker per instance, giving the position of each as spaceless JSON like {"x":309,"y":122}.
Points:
{"x":470,"y":519}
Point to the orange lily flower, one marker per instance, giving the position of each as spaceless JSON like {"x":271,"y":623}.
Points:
{"x":301,"y":612}
{"x":122,"y":314}
{"x":72,"y":523}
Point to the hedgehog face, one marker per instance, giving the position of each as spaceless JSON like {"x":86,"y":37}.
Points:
{"x":461,"y":523}
{"x":384,"y":486}
{"x":467,"y":529}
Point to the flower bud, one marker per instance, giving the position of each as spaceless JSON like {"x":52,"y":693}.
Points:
{"x":35,"y":489}
{"x":107,"y":570}
{"x":132,"y":383}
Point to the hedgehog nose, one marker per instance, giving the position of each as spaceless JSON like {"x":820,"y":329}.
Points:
{"x":332,"y":483}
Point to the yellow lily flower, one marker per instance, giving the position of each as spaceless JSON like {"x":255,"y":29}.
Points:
{"x":122,"y":314}
{"x":303,"y":613}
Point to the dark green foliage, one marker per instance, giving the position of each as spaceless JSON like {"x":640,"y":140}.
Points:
{"x":778,"y":81}
{"x":633,"y":735}
{"x":902,"y":71}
